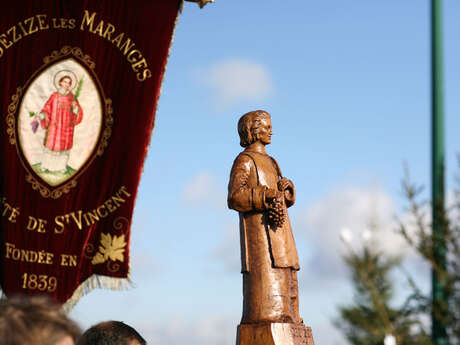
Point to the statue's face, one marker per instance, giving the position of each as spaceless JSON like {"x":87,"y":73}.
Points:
{"x":265,"y":131}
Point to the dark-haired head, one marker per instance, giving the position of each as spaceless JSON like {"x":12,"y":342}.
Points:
{"x":111,"y":333}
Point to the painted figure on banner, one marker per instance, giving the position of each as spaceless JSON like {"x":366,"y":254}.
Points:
{"x":59,"y":116}
{"x":261,"y":195}
{"x":60,"y":121}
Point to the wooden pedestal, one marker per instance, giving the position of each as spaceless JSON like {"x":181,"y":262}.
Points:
{"x":274,"y":334}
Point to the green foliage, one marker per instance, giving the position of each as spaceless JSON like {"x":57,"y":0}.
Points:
{"x":447,"y":310}
{"x":370,"y":317}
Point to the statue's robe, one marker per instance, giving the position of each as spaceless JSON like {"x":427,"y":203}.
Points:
{"x":60,"y":121}
{"x":269,"y":257}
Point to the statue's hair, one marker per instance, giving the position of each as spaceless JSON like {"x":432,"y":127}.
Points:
{"x":34,"y":321}
{"x":248,"y":126}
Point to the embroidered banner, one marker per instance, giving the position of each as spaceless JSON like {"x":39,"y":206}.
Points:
{"x":79,"y":82}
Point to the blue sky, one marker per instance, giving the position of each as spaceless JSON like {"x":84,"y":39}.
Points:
{"x":348,"y":87}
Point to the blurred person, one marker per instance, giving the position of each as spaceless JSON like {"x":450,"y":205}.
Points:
{"x":111,"y":333}
{"x":35,"y":321}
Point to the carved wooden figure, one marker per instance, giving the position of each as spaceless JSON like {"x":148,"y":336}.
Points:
{"x":261,"y":195}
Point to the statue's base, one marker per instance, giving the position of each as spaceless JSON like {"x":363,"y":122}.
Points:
{"x":274,"y":334}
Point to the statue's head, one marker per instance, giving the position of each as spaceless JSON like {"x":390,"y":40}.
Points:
{"x":249,"y":125}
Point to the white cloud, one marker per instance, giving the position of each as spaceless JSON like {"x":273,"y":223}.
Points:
{"x":235,"y":80}
{"x":209,"y":330}
{"x":203,"y":189}
{"x":360,"y":210}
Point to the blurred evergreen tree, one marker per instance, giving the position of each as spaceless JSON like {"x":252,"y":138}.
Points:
{"x":421,"y":240}
{"x":370,"y":319}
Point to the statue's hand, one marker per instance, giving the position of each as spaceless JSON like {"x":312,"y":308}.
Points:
{"x":284,"y":184}
{"x":271,"y":194}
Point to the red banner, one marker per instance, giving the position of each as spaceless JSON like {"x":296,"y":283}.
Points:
{"x":80,"y":82}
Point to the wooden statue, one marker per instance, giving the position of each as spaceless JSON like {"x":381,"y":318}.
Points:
{"x":261,"y":195}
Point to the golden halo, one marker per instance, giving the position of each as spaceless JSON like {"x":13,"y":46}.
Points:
{"x":65,"y":73}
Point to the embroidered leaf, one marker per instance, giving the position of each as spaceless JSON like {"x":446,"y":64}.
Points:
{"x":105,"y":244}
{"x":110,"y":248}
{"x":118,"y":248}
{"x":98,"y":259}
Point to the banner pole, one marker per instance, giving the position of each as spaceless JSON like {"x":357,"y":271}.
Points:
{"x":439,"y":334}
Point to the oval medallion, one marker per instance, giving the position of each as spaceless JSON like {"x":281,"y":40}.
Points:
{"x":60,"y":120}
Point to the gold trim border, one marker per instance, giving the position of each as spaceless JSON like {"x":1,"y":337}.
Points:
{"x":67,"y":50}
{"x":47,"y":191}
{"x":10,"y":119}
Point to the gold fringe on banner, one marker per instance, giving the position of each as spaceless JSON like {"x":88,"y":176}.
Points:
{"x":97,"y":282}
{"x":93,"y":282}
